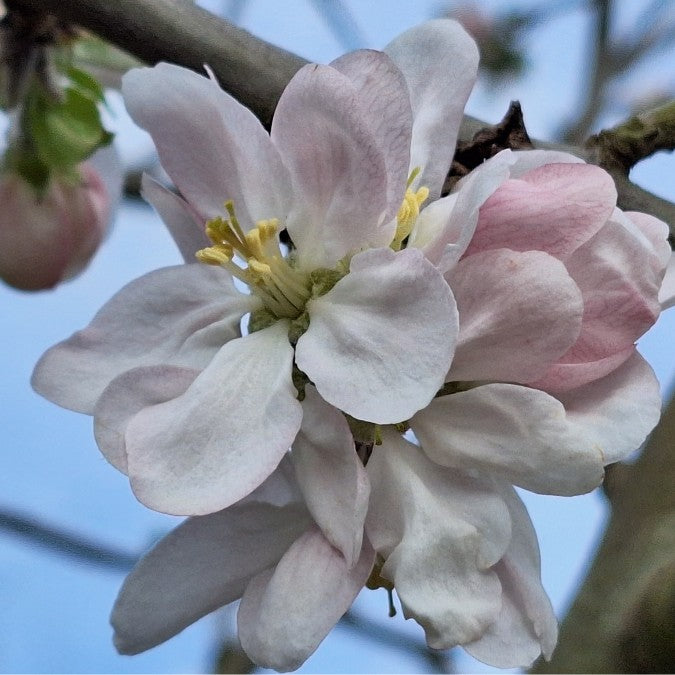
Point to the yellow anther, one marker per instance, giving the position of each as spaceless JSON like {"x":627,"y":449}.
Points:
{"x":254,"y":242}
{"x":215,"y":255}
{"x":408,"y":213}
{"x":260,"y":269}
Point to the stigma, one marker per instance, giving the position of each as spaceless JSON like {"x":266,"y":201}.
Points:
{"x":263,"y":267}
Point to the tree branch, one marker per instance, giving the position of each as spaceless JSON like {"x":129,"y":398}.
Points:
{"x":252,"y":70}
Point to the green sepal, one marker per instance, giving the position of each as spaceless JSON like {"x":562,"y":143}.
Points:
{"x":64,"y":132}
{"x":86,"y":84}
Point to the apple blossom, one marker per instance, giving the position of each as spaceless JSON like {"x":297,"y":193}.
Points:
{"x":372,"y":328}
{"x":47,"y":237}
{"x":497,"y":322}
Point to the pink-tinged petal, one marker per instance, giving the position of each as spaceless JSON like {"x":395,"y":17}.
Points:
{"x":338,"y":169}
{"x":617,"y":412}
{"x":203,"y":564}
{"x":526,"y":160}
{"x":619,"y":277}
{"x":520,"y":433}
{"x":445,"y":227}
{"x":176,"y":315}
{"x":383,"y":93}
{"x":554,"y":208}
{"x":439,"y":62}
{"x":331,"y":476}
{"x":518,"y":313}
{"x":213,"y":148}
{"x":286,"y":612}
{"x":212,"y":446}
{"x":562,"y":377}
{"x":656,"y":231}
{"x":526,"y":626}
{"x":180,"y":219}
{"x":127,"y":395}
{"x":439,"y":532}
{"x":380,"y":341}
{"x":667,"y":292}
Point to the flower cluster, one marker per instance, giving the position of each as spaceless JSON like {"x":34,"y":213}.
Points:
{"x":497,"y":323}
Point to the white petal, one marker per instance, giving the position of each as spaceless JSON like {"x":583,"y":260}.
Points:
{"x":337,"y":166}
{"x":617,"y":412}
{"x":383,"y":93}
{"x":182,"y":221}
{"x":521,"y":433}
{"x":279,"y":489}
{"x":286,"y":612}
{"x":128,"y":394}
{"x":212,"y":446}
{"x":518,"y":314}
{"x":203,"y":564}
{"x":526,"y":626}
{"x":439,"y":62}
{"x":379,"y":340}
{"x":213,"y":148}
{"x":439,"y":531}
{"x":176,"y":315}
{"x":331,"y":476}
{"x":667,"y":292}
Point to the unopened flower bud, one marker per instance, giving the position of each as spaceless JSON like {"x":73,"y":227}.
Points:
{"x":48,"y":237}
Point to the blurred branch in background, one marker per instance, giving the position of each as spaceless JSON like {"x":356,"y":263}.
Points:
{"x":500,"y":36}
{"x":64,"y":543}
{"x":611,"y":56}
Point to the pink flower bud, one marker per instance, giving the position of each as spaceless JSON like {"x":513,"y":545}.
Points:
{"x":48,"y":238}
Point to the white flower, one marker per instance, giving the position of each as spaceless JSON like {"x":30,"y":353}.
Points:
{"x":198,"y":416}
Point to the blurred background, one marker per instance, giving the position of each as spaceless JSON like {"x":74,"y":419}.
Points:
{"x":69,"y":526}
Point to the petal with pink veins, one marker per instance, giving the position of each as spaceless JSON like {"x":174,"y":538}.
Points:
{"x":213,"y":147}
{"x":380,"y":341}
{"x":554,"y":208}
{"x":339,"y":172}
{"x":382,"y":90}
{"x":518,"y":313}
{"x":207,"y":449}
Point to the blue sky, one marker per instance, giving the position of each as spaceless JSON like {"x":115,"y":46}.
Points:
{"x":55,"y":610}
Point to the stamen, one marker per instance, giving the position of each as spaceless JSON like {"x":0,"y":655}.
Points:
{"x":408,"y":213}
{"x":282,"y":288}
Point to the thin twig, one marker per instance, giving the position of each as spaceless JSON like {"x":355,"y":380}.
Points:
{"x":65,"y":543}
